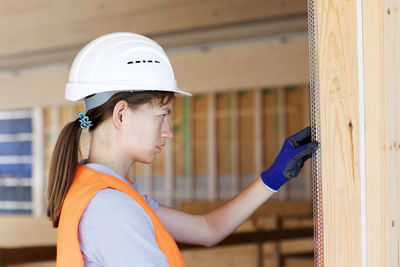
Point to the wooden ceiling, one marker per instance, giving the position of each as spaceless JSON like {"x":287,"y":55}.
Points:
{"x":213,"y":45}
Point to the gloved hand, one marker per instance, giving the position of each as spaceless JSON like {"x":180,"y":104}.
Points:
{"x":294,"y":152}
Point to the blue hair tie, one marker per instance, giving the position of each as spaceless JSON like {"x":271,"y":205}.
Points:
{"x":84,"y":120}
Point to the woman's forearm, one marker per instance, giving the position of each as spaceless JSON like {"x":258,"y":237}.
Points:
{"x":223,"y":220}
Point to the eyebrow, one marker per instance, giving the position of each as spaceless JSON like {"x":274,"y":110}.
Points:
{"x":167,"y":109}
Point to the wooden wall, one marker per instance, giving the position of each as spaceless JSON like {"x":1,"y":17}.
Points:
{"x":213,"y":45}
{"x":190,"y":143}
{"x":358,"y":65}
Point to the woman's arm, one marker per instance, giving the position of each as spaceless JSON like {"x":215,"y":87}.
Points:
{"x":212,"y":227}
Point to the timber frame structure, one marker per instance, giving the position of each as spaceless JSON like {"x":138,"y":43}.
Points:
{"x":230,"y":45}
{"x":358,"y":46}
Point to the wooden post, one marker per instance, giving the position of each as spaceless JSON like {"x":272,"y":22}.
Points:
{"x":282,"y":132}
{"x":148,"y":179}
{"x":258,"y":133}
{"x":169,"y":174}
{"x":381,"y":30}
{"x":358,"y":69}
{"x":187,"y":111}
{"x":211,"y":148}
{"x":235,"y":143}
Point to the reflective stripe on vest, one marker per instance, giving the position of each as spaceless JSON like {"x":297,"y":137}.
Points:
{"x":86,"y":183}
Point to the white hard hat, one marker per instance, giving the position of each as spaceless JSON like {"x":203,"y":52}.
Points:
{"x":118,"y":62}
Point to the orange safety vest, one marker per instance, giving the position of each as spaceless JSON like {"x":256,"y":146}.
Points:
{"x":86,"y":183}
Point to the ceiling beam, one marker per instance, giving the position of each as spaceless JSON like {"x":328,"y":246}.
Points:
{"x":43,"y":26}
{"x":202,"y":37}
{"x":232,"y":66}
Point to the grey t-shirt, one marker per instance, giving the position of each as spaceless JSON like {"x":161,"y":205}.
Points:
{"x":114,"y":230}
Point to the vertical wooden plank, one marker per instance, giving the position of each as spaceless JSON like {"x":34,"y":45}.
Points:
{"x":269,"y":138}
{"x":339,"y":124}
{"x":234,"y":143}
{"x":38,"y":177}
{"x":346,"y":120}
{"x":169,"y":189}
{"x":298,"y":116}
{"x":178,"y":139}
{"x":381,"y":41}
{"x":378,"y":198}
{"x":148,"y":178}
{"x":392,"y":105}
{"x":246,"y":135}
{"x":200,"y":135}
{"x":282,"y":132}
{"x":258,"y":133}
{"x":187,"y":103}
{"x":211,"y":148}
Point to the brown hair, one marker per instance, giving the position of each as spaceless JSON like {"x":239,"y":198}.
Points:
{"x":66,"y":152}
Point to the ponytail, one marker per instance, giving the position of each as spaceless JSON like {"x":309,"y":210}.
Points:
{"x":62,"y":168}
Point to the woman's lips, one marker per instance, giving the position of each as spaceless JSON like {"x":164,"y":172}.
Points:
{"x":159,"y":148}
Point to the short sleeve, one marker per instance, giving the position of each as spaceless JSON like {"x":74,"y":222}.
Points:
{"x":152,"y":203}
{"x":114,"y":230}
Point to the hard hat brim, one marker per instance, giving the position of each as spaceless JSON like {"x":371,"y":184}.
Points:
{"x":87,"y":89}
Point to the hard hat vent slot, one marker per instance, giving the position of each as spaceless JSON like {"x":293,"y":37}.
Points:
{"x":144,"y":61}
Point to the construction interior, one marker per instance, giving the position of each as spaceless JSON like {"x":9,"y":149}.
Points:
{"x":247,"y":65}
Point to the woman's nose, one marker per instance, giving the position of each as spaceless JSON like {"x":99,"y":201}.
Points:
{"x":167,"y":130}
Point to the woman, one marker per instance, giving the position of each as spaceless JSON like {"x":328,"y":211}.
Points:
{"x":127,"y":85}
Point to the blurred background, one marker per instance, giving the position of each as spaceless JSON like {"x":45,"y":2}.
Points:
{"x":244,"y":61}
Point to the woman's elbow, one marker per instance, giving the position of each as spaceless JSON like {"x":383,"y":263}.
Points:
{"x":212,"y":241}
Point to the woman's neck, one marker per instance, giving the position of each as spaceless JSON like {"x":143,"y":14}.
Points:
{"x":105,"y":150}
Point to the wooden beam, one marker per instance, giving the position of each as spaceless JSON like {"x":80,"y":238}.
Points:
{"x":243,"y":65}
{"x":234,"y":129}
{"x":187,"y":113}
{"x":211,"y":149}
{"x":340,"y":144}
{"x":269,"y":208}
{"x":258,"y":132}
{"x":381,"y":44}
{"x":148,"y":179}
{"x":359,"y":62}
{"x":259,"y":236}
{"x":283,"y":193}
{"x":169,"y":189}
{"x":198,"y":37}
{"x":48,"y":26}
{"x":231,"y":66}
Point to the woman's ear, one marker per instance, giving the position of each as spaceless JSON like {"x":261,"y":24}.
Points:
{"x":119,"y":113}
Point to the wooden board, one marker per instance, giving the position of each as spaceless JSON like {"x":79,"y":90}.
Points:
{"x":360,"y":222}
{"x":224,"y":134}
{"x":223,"y":68}
{"x":44,"y":25}
{"x":340,"y":144}
{"x":24,"y":231}
{"x":246,"y":132}
{"x":243,"y":255}
{"x":200,"y":134}
{"x":271,"y":208}
{"x":382,"y":94}
{"x":270,"y":129}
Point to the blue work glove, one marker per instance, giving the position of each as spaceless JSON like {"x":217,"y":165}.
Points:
{"x":294,"y":152}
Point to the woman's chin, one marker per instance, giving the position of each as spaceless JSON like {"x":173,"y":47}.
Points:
{"x":148,"y":160}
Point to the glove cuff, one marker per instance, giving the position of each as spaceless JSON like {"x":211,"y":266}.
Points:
{"x":273,"y":181}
